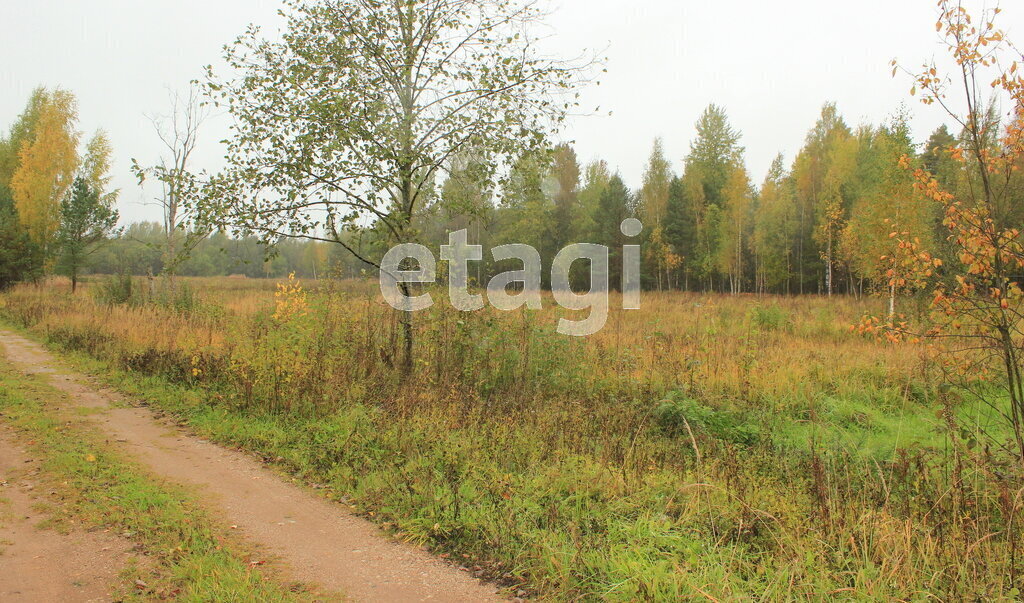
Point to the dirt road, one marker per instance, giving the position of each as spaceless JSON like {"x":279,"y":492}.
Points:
{"x":319,"y":542}
{"x":41,"y":564}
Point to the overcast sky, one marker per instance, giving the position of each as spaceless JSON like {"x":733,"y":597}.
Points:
{"x":770,"y":64}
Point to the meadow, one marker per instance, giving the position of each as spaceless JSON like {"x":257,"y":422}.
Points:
{"x":706,"y":446}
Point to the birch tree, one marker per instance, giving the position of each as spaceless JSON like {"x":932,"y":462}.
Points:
{"x":356,"y":112}
{"x":47,"y":162}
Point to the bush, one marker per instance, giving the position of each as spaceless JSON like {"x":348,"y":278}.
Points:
{"x":115,"y":290}
{"x":182,"y":299}
{"x":769,"y":318}
{"x":677,"y":411}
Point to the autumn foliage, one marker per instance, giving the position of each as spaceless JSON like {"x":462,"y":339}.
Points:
{"x":977,"y":297}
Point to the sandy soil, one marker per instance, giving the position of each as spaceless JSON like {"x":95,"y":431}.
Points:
{"x":318,"y":542}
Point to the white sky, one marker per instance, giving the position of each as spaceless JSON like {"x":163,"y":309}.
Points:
{"x":770,"y":64}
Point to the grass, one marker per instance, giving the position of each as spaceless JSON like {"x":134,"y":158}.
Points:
{"x":705,"y":447}
{"x":189,"y":557}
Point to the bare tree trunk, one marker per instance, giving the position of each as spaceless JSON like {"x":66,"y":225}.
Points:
{"x":892,"y":303}
{"x":828,"y":269}
{"x":405,"y":318}
{"x":1014,"y":385}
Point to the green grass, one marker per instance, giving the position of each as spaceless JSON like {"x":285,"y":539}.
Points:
{"x":191,"y":559}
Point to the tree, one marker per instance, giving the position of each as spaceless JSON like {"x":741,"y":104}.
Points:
{"x":833,"y":202}
{"x":527,"y":206}
{"x":20,"y":257}
{"x":654,"y":195}
{"x":982,"y":305}
{"x":680,"y":227}
{"x":889,"y":222}
{"x":465,"y":203}
{"x":707,"y":170}
{"x":936,"y":158}
{"x":354,"y":114}
{"x":937,"y":161}
{"x":566,"y":172}
{"x":179,"y":186}
{"x":712,"y":152}
{"x":95,"y":168}
{"x":596,"y":178}
{"x":654,"y":190}
{"x":775,"y":229}
{"x":87,"y":215}
{"x":818,"y":191}
{"x":47,"y":162}
{"x":86,"y":220}
{"x":21,"y":132}
{"x":734,"y":227}
{"x":616,"y":205}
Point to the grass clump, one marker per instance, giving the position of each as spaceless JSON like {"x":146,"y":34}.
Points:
{"x":679,"y":416}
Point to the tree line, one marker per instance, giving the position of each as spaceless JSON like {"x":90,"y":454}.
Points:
{"x":826,"y":223}
{"x":821,"y":224}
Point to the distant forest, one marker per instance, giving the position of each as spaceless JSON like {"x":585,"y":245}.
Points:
{"x":829,"y":221}
{"x":824,"y":221}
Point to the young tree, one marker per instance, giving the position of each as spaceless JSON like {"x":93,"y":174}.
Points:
{"x":87,"y":216}
{"x":982,"y":304}
{"x":86,"y":221}
{"x":354,"y":114}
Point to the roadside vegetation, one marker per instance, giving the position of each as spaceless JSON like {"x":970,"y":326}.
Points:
{"x":187,"y":556}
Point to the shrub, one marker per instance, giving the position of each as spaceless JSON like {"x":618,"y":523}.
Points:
{"x":182,"y":299}
{"x":115,"y":290}
{"x":677,"y":411}
{"x":769,"y":318}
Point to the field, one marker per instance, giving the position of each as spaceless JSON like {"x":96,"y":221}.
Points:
{"x":712,"y":447}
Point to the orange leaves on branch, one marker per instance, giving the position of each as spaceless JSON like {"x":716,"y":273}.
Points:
{"x":896,"y":331}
